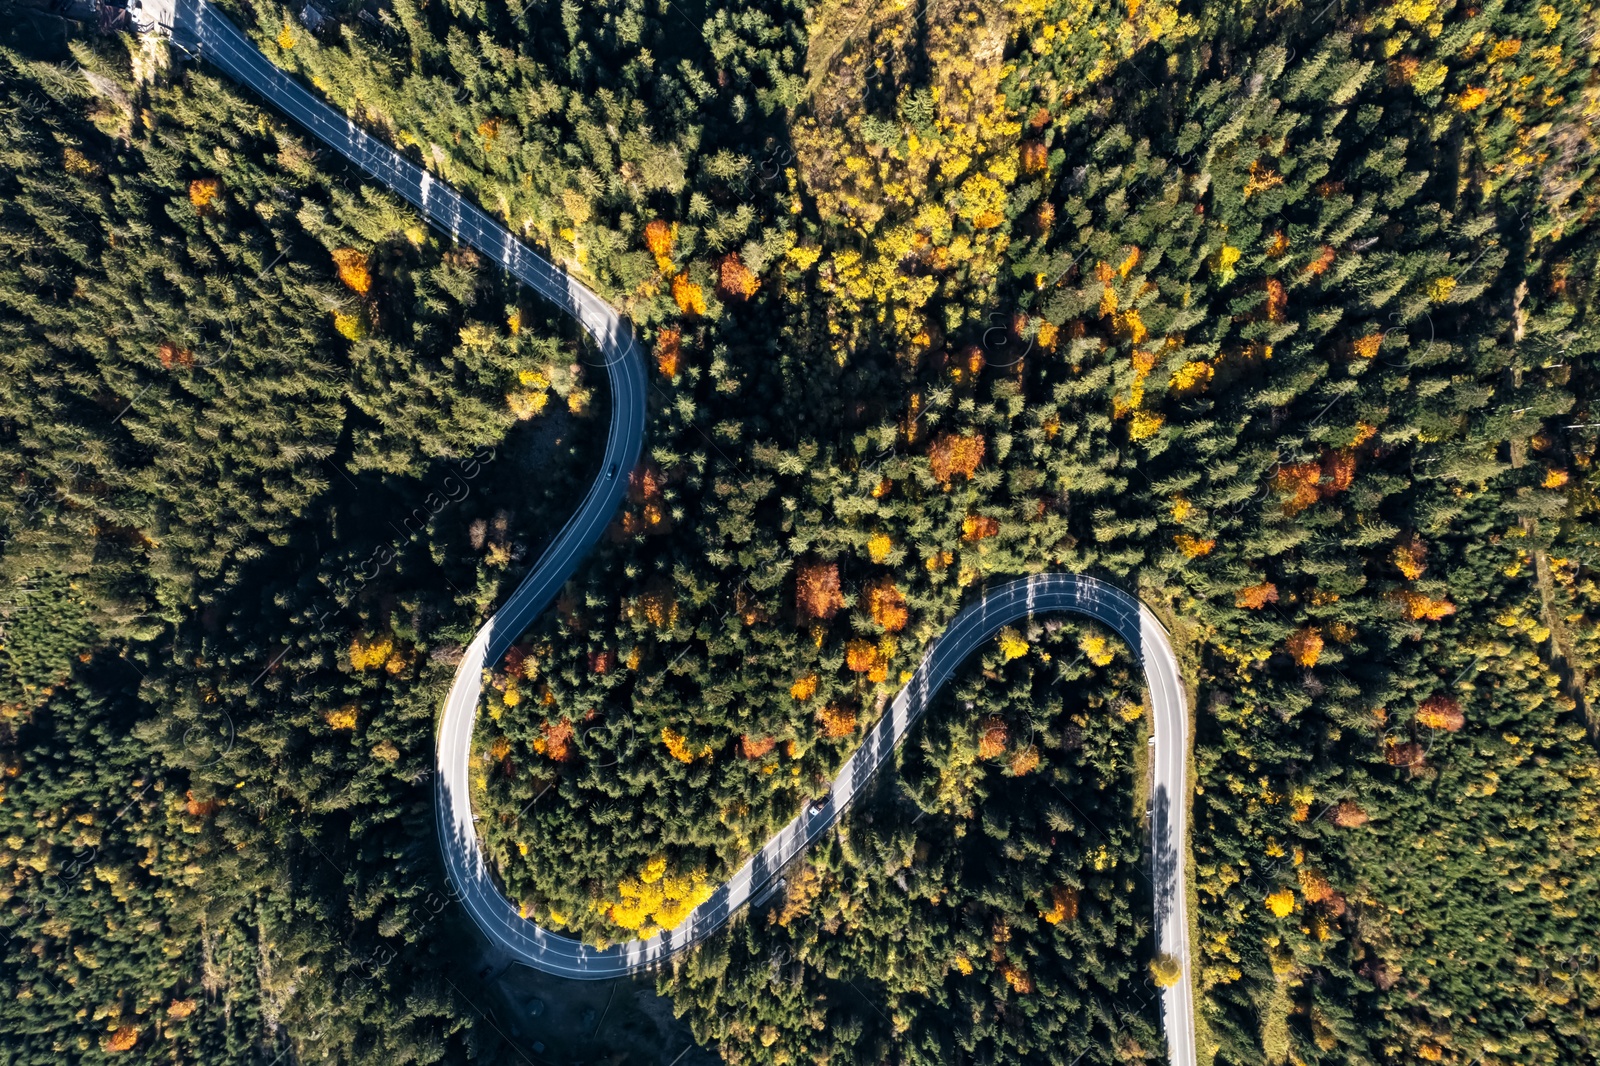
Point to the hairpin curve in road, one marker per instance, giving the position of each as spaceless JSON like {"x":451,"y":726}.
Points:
{"x":197,"y":26}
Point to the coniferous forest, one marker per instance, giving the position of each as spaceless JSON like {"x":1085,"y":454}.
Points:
{"x":1281,"y":317}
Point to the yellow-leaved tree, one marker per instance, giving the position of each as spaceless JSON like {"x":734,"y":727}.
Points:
{"x":656,"y":898}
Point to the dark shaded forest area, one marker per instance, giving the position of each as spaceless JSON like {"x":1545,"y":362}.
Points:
{"x":1281,"y":316}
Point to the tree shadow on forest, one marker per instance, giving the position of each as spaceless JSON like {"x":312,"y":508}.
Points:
{"x":572,"y":1017}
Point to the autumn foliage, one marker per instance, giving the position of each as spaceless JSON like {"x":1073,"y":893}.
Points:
{"x":123,"y":1039}
{"x":1277,"y":300}
{"x":517,"y":661}
{"x":658,"y":237}
{"x":645,"y":486}
{"x":865,"y":657}
{"x":659,"y":606}
{"x":1338,"y":471}
{"x":1063,"y":905}
{"x":1025,"y":761}
{"x":887,"y":605}
{"x":1415,"y":607}
{"x":645,"y":483}
{"x":353,"y":269}
{"x":1441,"y":712}
{"x":1034,"y":156}
{"x":171,"y":355}
{"x":374,"y":652}
{"x":817,"y":595}
{"x":198,"y":807}
{"x":1306,"y":646}
{"x":1313,"y":886}
{"x":658,"y":898}
{"x":976,"y":527}
{"x":1017,"y":978}
{"x":954,"y":454}
{"x":837,"y":722}
{"x":1348,"y":815}
{"x":557,"y":738}
{"x":691,"y":299}
{"x":1405,"y":754}
{"x":734,"y":279}
{"x":668,"y":350}
{"x":1166,"y":970}
{"x":201,"y":192}
{"x":992,"y":739}
{"x":677,"y":746}
{"x":1410,"y":558}
{"x":1300,"y":484}
{"x":1303,"y":484}
{"x":342,"y":719}
{"x":1255,"y":597}
{"x":755,"y":747}
{"x":1191,"y":376}
{"x":1324,"y":260}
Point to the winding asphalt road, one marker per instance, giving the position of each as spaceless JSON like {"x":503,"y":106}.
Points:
{"x":202,"y":30}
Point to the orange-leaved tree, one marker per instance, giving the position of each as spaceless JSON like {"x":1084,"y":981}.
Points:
{"x":1441,"y":712}
{"x":887,"y":605}
{"x":734,"y":280}
{"x":955,"y":453}
{"x":353,"y":269}
{"x":658,"y":237}
{"x":817,"y":595}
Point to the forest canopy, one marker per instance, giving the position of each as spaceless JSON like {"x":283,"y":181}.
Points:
{"x":1277,"y":317}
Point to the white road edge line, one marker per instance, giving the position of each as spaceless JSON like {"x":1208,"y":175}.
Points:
{"x":224,"y":46}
